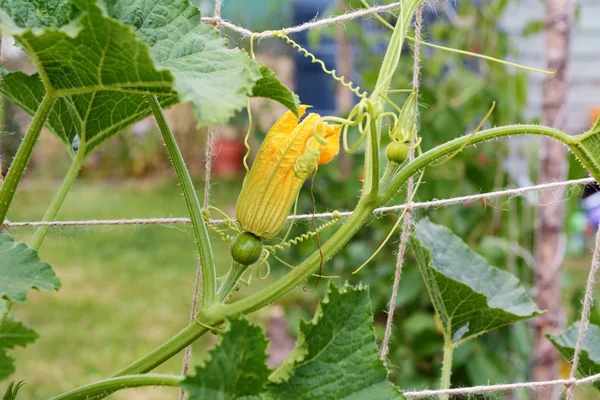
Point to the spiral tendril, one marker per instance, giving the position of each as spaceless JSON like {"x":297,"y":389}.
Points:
{"x":247,"y":136}
{"x":307,"y":235}
{"x":228,"y":223}
{"x":342,"y":80}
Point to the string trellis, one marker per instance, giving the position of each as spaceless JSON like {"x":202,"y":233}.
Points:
{"x":408,"y":211}
{"x":218,"y":22}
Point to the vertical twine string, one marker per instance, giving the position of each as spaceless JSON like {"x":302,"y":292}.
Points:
{"x":217,"y":22}
{"x":407,"y":223}
{"x":208,"y":162}
{"x":585,"y":312}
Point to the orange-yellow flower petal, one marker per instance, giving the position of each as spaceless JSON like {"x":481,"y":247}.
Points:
{"x":271,"y":187}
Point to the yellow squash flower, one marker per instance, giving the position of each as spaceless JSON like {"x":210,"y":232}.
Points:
{"x":285,"y":160}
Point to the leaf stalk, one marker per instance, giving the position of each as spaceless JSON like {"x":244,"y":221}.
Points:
{"x":58,"y":200}
{"x":19,"y":163}
{"x":209,"y":279}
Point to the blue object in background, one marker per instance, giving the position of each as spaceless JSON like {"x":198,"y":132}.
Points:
{"x":312,"y":85}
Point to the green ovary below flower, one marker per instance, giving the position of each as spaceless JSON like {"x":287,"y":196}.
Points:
{"x":287,"y":157}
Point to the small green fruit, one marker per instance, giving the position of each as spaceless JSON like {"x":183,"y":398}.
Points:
{"x":246,"y":248}
{"x":397,"y":152}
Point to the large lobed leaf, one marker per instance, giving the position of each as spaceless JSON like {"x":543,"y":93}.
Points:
{"x":236,"y":368}
{"x":12,"y":334}
{"x":102,"y":63}
{"x":21,"y":270}
{"x":470,"y":296}
{"x":589,"y":358}
{"x":336,"y":357}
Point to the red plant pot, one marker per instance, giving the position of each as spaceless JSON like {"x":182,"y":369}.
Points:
{"x":229,"y":155}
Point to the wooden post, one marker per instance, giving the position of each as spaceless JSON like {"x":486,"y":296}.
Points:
{"x":549,"y":237}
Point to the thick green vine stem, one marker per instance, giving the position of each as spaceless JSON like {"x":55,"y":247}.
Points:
{"x":108,"y":386}
{"x":446,"y":365}
{"x":209,"y":274}
{"x":377,"y":100}
{"x":58,"y":200}
{"x":446,"y":149}
{"x":394,"y":50}
{"x":17,"y":168}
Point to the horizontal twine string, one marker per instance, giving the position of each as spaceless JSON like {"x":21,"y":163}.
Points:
{"x":421,"y":394}
{"x":217,"y":20}
{"x":327,"y":215}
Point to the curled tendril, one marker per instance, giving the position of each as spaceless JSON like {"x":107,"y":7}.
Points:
{"x":342,"y":80}
{"x":221,"y":233}
{"x":247,"y":136}
{"x":228,"y":223}
{"x":263,"y":261}
{"x":307,"y":235}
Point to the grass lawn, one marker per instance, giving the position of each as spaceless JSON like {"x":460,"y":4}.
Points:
{"x":124,"y":290}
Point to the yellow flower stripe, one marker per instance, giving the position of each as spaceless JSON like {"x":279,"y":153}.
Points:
{"x":271,"y":187}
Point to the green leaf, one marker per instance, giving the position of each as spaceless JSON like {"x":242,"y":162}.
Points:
{"x":216,"y":79}
{"x":7,"y":365}
{"x":532,"y":28}
{"x":12,"y":334}
{"x":89,"y":64}
{"x":336,"y":356}
{"x":27,"y":91}
{"x":12,"y":390}
{"x":269,"y":87}
{"x":596,"y":126}
{"x":587,"y":149}
{"x":21,"y":270}
{"x":102,"y":63}
{"x":470,"y":296}
{"x":589,"y":358}
{"x":33,"y":14}
{"x":236,"y":368}
{"x":93,"y":117}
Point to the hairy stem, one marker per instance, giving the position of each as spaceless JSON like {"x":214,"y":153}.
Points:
{"x":58,"y":200}
{"x":209,"y":280}
{"x":371,"y":184}
{"x":448,"y":148}
{"x":108,"y":386}
{"x":231,"y":279}
{"x":165,"y":351}
{"x":446,"y":365}
{"x":17,"y":168}
{"x":392,"y":55}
